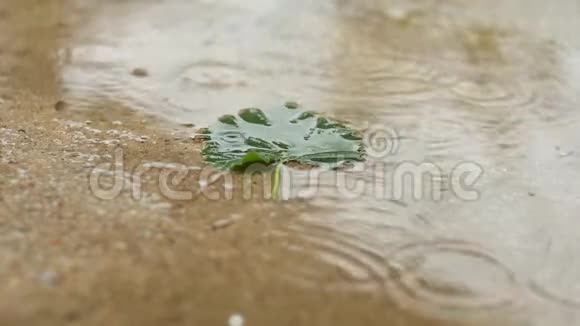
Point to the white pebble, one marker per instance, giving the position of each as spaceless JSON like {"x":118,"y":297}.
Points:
{"x":398,"y":13}
{"x":236,"y":320}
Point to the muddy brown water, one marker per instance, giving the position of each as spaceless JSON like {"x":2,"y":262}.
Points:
{"x":484,"y":95}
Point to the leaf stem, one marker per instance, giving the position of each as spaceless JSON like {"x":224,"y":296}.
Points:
{"x":276,"y":185}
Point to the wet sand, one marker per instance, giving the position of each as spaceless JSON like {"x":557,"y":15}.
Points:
{"x":490,"y":84}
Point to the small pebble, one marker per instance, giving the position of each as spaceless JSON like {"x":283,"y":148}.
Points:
{"x":222,"y":224}
{"x":140,"y":72}
{"x":60,"y":106}
{"x":226,"y":222}
{"x":292,"y":105}
{"x":236,"y":320}
{"x":398,"y":14}
{"x":117,"y":123}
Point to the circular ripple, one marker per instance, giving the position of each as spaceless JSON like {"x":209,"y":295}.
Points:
{"x":547,"y":294}
{"x":359,"y":266}
{"x":493,"y":93}
{"x":451,"y":275}
{"x":387,"y":78}
{"x":559,"y":285}
{"x":334,"y":260}
{"x":215,"y":75}
{"x":391,"y":88}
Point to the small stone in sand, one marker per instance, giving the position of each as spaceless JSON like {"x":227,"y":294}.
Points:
{"x":226,"y":222}
{"x":140,"y":72}
{"x":60,"y":105}
{"x":236,"y":320}
{"x":222,"y":224}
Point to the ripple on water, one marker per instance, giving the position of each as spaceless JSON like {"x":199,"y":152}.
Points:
{"x":558,"y":106}
{"x":561,"y":295}
{"x":362,"y":196}
{"x":494,"y":93}
{"x":452,"y":275}
{"x":387,"y":79}
{"x":356,"y":264}
{"x":556,"y":284}
{"x":215,"y":75}
{"x":348,"y":236}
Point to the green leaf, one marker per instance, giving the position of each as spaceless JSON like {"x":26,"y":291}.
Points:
{"x":278,"y":136}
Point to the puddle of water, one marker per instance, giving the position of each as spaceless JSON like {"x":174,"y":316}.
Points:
{"x":479,"y":84}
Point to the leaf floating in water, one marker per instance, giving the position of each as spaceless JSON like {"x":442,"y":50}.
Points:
{"x":286,"y":134}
